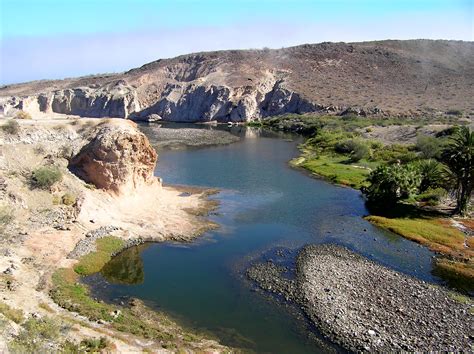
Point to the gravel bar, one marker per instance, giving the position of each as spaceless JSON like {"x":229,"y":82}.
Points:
{"x":364,"y":306}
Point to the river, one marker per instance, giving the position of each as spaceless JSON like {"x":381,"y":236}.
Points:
{"x":267,"y":210}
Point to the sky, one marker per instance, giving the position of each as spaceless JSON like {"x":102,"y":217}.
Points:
{"x":55,"y":39}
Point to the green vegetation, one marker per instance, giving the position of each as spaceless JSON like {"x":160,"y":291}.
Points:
{"x":458,"y":156}
{"x":310,"y":124}
{"x":70,"y":294}
{"x":23,"y":115}
{"x":433,"y":232}
{"x":45,"y":177}
{"x":68,"y":199}
{"x":94,"y":344}
{"x":11,"y":127}
{"x":400,"y":178}
{"x":93,"y":262}
{"x":336,"y":169}
{"x":459,"y":274}
{"x":388,"y":184}
{"x":14,"y":315}
{"x":35,"y":336}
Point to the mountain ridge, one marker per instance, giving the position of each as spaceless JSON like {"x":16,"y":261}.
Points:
{"x":378,"y":78}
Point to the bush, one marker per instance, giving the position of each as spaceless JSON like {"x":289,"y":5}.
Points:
{"x":36,"y":336}
{"x":68,"y":199}
{"x":429,"y":146}
{"x":45,"y":177}
{"x":395,"y":153}
{"x":23,"y":115}
{"x":389,"y":184}
{"x":94,"y":344}
{"x":431,"y":196}
{"x":11,"y":127}
{"x":356,"y":149}
{"x":454,"y":112}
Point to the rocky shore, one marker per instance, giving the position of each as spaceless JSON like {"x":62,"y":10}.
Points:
{"x":171,"y":138}
{"x":364,"y":306}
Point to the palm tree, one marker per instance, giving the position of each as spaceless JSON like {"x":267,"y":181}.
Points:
{"x":458,"y":157}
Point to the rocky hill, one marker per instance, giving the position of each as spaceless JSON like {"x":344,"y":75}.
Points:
{"x":385,"y":78}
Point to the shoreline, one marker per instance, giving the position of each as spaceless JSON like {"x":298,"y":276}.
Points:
{"x":453,"y":264}
{"x":41,"y":232}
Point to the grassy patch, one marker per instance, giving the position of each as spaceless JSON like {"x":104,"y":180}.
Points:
{"x":436,"y":233}
{"x":337,"y":169}
{"x":93,"y":262}
{"x":74,"y":296}
{"x":46,"y":307}
{"x":15,"y":315}
{"x":459,"y":275}
{"x":70,"y":294}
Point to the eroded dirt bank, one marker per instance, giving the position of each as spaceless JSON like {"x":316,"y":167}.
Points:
{"x":364,"y":306}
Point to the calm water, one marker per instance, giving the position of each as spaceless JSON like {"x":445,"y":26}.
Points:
{"x":265,"y":205}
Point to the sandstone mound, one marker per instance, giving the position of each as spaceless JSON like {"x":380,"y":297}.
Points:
{"x":118,"y":159}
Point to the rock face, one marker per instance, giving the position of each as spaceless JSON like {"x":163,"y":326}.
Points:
{"x":119,"y":158}
{"x":383,"y":78}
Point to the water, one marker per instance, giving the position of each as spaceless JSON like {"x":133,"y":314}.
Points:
{"x":265,"y":205}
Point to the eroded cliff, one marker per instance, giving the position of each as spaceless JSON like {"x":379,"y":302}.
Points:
{"x":384,"y":78}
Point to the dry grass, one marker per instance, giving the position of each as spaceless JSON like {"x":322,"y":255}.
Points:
{"x":15,"y":315}
{"x":436,"y":233}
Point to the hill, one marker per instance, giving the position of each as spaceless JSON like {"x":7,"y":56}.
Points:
{"x":383,"y":78}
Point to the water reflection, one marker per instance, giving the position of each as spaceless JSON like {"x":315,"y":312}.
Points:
{"x":126,"y":268}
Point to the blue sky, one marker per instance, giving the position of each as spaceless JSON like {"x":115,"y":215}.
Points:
{"x":46,"y":39}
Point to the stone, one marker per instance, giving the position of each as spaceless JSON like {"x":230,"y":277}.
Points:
{"x":118,"y":159}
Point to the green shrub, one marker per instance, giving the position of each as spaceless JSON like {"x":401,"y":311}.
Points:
{"x":429,"y":146}
{"x":36,"y":336}
{"x":394,"y":153}
{"x":94,"y":344}
{"x":23,"y":115}
{"x":357,"y":149}
{"x":11,"y":127}
{"x":431,"y":196}
{"x":15,"y":315}
{"x":388,"y":184}
{"x":45,"y":177}
{"x":68,"y":199}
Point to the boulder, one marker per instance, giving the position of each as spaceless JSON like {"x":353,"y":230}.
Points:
{"x":118,"y":159}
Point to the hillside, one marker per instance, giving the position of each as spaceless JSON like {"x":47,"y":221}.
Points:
{"x":384,"y":78}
